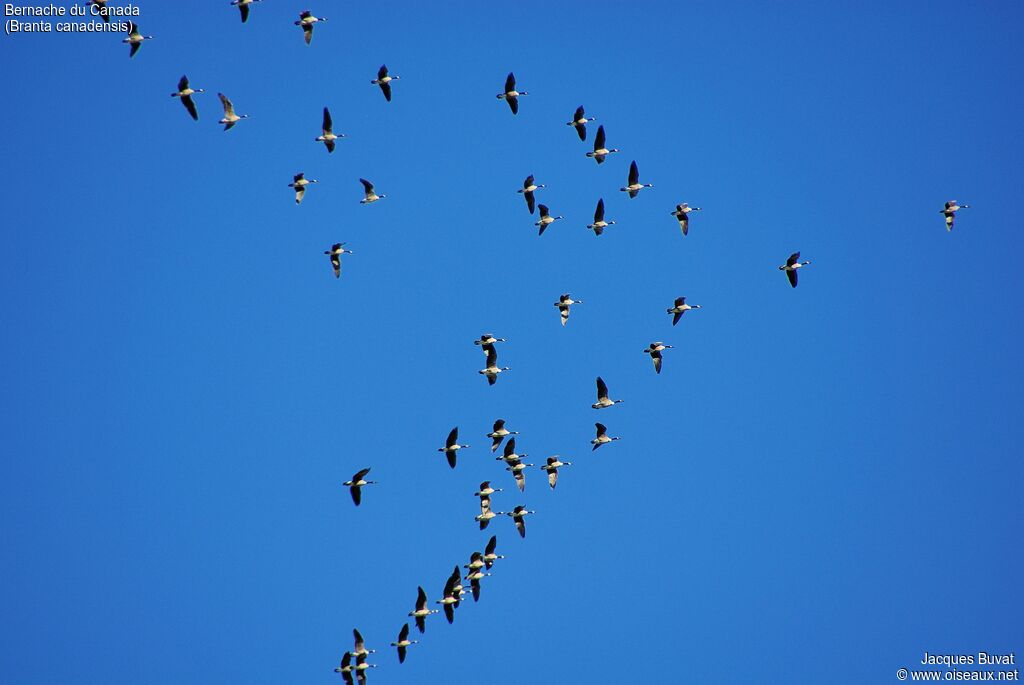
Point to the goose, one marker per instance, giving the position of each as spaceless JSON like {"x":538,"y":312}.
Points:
{"x":509,"y":455}
{"x":371,"y":196}
{"x":403,"y":643}
{"x":492,"y":370}
{"x":602,"y":437}
{"x":474,"y":582}
{"x":243,"y":7}
{"x":635,"y":186}
{"x":655,"y":349}
{"x":186,"y":93}
{"x":327,"y":136}
{"x":563,"y":304}
{"x":476,"y":562}
{"x":486,"y":490}
{"x":306,"y":21}
{"x":511,"y":95}
{"x":485,"y":504}
{"x":448,"y":601}
{"x":791,"y":265}
{"x":451,"y":446}
{"x":599,"y":223}
{"x":359,"y":648}
{"x":384,"y":81}
{"x":950,"y":212}
{"x":457,"y":589}
{"x":518,"y":470}
{"x":679,"y":308}
{"x":361,"y":667}
{"x":485,"y":517}
{"x":489,"y":556}
{"x":101,"y":9}
{"x":487,"y":341}
{"x":337,"y":249}
{"x":602,"y":396}
{"x":545,"y":219}
{"x":518,"y":517}
{"x":600,"y":151}
{"x":421,"y":611}
{"x":134,"y":39}
{"x":499,"y":433}
{"x":554,"y":463}
{"x":579,"y":120}
{"x":299,"y":183}
{"x":230,"y":118}
{"x":345,"y":668}
{"x":682,"y":214}
{"x":528,"y":189}
{"x":357,"y":483}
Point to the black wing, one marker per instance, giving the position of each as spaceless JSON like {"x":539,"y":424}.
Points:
{"x":244,"y":9}
{"x":449,"y":613}
{"x":602,"y":388}
{"x":634,"y":174}
{"x":382,"y":72}
{"x":421,"y":600}
{"x":510,"y":82}
{"x":793,"y":259}
{"x":451,"y":456}
{"x":498,"y":425}
{"x":403,"y":634}
{"x":599,"y":212}
{"x":676,"y":317}
{"x":513,"y":103}
{"x":530,"y":200}
{"x":510,"y":447}
{"x":492,"y":544}
{"x":357,"y":494}
{"x":453,"y":437}
{"x":190,"y":106}
{"x":367,"y":186}
{"x":599,"y":138}
{"x":182,"y":83}
{"x":792,"y":277}
{"x":328,"y":122}
{"x":135,"y":48}
{"x":386,"y":89}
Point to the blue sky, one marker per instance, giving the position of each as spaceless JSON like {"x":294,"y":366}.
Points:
{"x":823,"y":483}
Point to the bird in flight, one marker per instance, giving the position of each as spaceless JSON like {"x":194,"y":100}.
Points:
{"x":679,"y":308}
{"x":337,"y":249}
{"x":186,"y":93}
{"x":579,"y":120}
{"x":356,"y":485}
{"x":306,"y":21}
{"x":600,"y":149}
{"x":950,"y":212}
{"x":384,"y":81}
{"x":528,"y":189}
{"x":563,"y":304}
{"x":599,"y":223}
{"x":327,"y":135}
{"x":791,"y":266}
{"x":511,"y":95}
{"x":682,"y":215}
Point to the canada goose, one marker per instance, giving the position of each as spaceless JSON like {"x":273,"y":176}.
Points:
{"x":682,"y":214}
{"x":554,"y":463}
{"x":457,"y":589}
{"x":327,"y":137}
{"x":186,"y":93}
{"x":791,"y":265}
{"x":599,"y":223}
{"x":299,"y":183}
{"x":451,"y":446}
{"x":518,"y":515}
{"x":345,"y":668}
{"x":545,"y":219}
{"x":474,"y":583}
{"x":489,"y":556}
{"x":563,"y":304}
{"x":600,"y":151}
{"x":371,"y":196}
{"x":511,"y":95}
{"x":528,"y":189}
{"x":485,"y":504}
{"x":499,"y":433}
{"x":518,"y":470}
{"x":359,"y":648}
{"x":421,"y":611}
{"x":476,"y":562}
{"x":485,"y":517}
{"x":306,"y":21}
{"x":134,"y":38}
{"x":950,"y":212}
{"x":579,"y":120}
{"x":101,"y":9}
{"x":679,"y":308}
{"x":384,"y":81}
{"x":337,"y":249}
{"x":403,"y":643}
{"x":243,"y":7}
{"x":486,"y":490}
{"x":448,"y":601}
{"x":509,"y":455}
{"x":634,"y":185}
{"x":602,"y":436}
{"x":361,"y":667}
{"x":357,"y":483}
{"x":487,"y":341}
{"x":602,"y":396}
{"x":655,"y":349}
{"x":230,"y":118}
{"x":492,"y":370}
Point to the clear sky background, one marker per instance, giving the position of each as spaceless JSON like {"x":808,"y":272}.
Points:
{"x":822,"y":484}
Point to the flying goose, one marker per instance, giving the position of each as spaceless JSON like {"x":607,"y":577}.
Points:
{"x":457,"y":589}
{"x":679,"y":308}
{"x":243,"y":7}
{"x":101,"y":9}
{"x":474,"y":578}
{"x":306,"y":21}
{"x":421,"y":611}
{"x":361,"y":666}
{"x":448,"y":601}
{"x":487,"y":341}
{"x":384,"y":81}
{"x":563,"y":304}
{"x":134,"y":38}
{"x":528,"y":189}
{"x":509,"y":455}
{"x":489,"y":556}
{"x":485,"y":517}
{"x":655,"y":349}
{"x":518,"y":515}
{"x":554,"y":463}
{"x":486,"y":490}
{"x":186,"y":93}
{"x":492,"y":370}
{"x":357,"y":483}
{"x":451,"y":446}
{"x":791,"y":265}
{"x":485,"y":504}
{"x":511,"y":95}
{"x":476,"y":562}
{"x":579,"y":120}
{"x":599,"y":223}
{"x":403,"y":643}
{"x":635,"y":186}
{"x":327,"y":136}
{"x":518,"y":470}
{"x":600,"y":151}
{"x":602,"y":396}
{"x":950,"y":212}
{"x":230,"y":118}
{"x":359,"y":648}
{"x":545,"y":219}
{"x":602,"y":437}
{"x":299,"y":183}
{"x":371,"y":196}
{"x":345,"y":668}
{"x":337,"y":249}
{"x":682,"y":213}
{"x":499,"y":433}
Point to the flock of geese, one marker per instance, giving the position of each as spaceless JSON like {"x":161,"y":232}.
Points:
{"x":354,"y":663}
